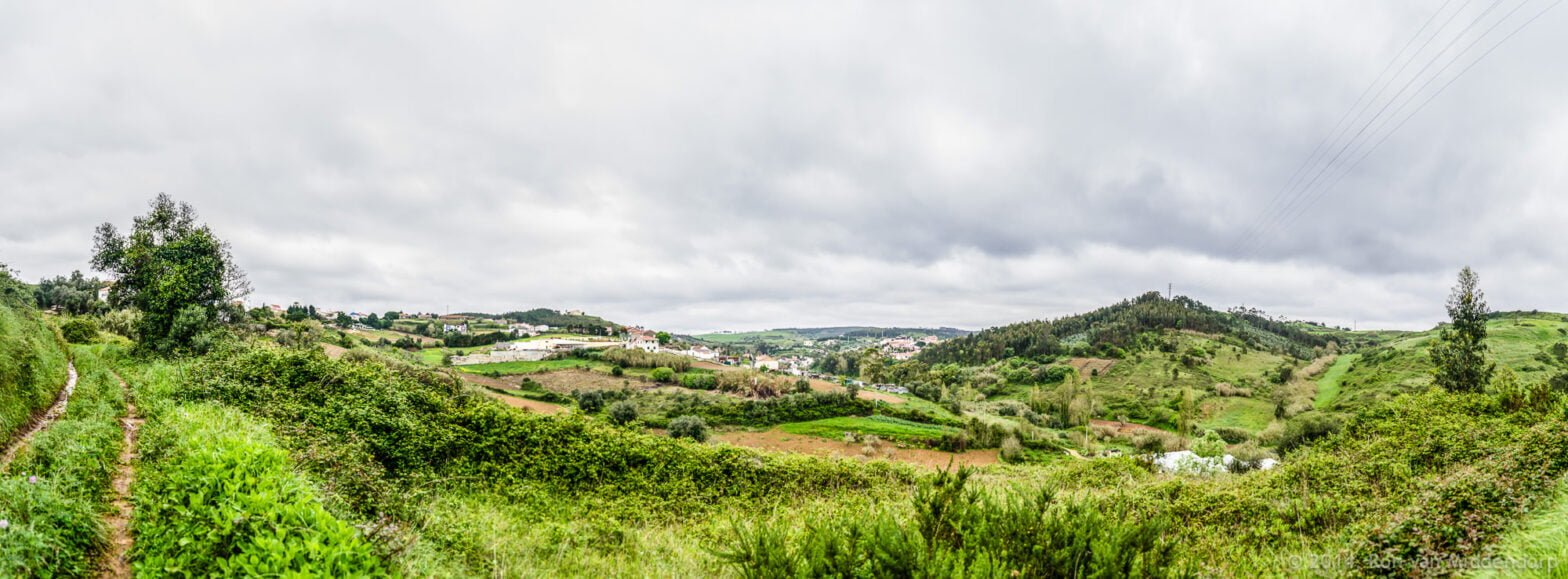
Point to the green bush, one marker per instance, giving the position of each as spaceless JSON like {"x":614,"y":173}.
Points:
{"x":692,"y":427}
{"x":699,"y":381}
{"x":79,"y":330}
{"x":623,"y":412}
{"x":1307,"y":427}
{"x":662,"y":374}
{"x":217,"y":497}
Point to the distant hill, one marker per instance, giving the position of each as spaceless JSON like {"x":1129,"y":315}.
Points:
{"x":1111,"y":331}
{"x":792,"y":335}
{"x":555,"y":319}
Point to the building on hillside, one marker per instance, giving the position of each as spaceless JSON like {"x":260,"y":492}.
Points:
{"x":640,"y":339}
{"x":702,"y":353}
{"x":765,"y":362}
{"x":455,"y":328}
{"x":103,"y":291}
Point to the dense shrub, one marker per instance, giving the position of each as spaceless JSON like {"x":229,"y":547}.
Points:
{"x":623,"y":412}
{"x":363,"y":422}
{"x":957,"y":531}
{"x":79,"y":330}
{"x":634,"y":358}
{"x":662,"y":374}
{"x":216,"y":497}
{"x":692,"y":427}
{"x":1307,"y":427}
{"x":699,"y":381}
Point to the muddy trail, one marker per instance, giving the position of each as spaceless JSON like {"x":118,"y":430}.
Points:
{"x":38,"y":425}
{"x":116,"y":558}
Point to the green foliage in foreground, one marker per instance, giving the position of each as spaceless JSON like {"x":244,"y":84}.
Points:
{"x":960,"y":532}
{"x":54,"y":523}
{"x":217,"y":497}
{"x":32,"y":367}
{"x":363,"y":423}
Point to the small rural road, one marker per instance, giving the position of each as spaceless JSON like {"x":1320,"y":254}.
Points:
{"x":42,"y":422}
{"x":116,"y":559}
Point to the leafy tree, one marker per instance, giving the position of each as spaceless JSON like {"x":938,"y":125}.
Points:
{"x":1459,"y":353}
{"x":343,"y":321}
{"x":75,"y":295}
{"x":296,"y":313}
{"x":176,"y":271}
{"x":662,"y":374}
{"x":664,"y":338}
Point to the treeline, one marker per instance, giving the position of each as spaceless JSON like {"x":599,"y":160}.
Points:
{"x":576,"y":324}
{"x":1112,"y":330}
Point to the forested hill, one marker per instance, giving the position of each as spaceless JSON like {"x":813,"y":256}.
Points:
{"x":1111,"y":331}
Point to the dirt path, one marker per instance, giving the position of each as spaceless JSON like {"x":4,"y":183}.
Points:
{"x":116,"y":559}
{"x":48,"y":417}
{"x":780,"y":441}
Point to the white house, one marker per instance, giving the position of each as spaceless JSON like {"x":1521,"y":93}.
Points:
{"x":457,"y":328}
{"x":765,"y":362}
{"x":642,"y":340}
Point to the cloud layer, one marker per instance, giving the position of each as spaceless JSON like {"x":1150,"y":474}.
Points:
{"x":742,"y":165}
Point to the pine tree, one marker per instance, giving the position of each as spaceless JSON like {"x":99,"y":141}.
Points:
{"x":1459,"y":354}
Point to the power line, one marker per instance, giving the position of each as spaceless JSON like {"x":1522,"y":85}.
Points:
{"x":1287,"y":216}
{"x":1354,"y":146}
{"x":1367,"y":152}
{"x":1335,"y":133}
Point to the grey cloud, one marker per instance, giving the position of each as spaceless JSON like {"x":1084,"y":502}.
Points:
{"x":697,"y":166}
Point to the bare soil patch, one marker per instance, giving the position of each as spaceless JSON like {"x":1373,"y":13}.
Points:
{"x":1126,"y":427}
{"x":1091,"y":366}
{"x":779,"y":441}
{"x":333,"y":351}
{"x":565,"y":381}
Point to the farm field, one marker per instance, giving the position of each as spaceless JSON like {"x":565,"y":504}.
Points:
{"x":883,"y":426}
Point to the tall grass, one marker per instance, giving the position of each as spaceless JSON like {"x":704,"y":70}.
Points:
{"x":55,"y":523}
{"x":32,"y":367}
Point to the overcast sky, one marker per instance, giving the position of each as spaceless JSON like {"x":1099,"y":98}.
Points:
{"x":708,"y":165}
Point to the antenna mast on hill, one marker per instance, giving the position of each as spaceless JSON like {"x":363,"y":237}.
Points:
{"x":1169,"y":292}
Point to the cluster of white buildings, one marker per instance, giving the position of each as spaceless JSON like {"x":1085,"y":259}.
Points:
{"x":792,"y":365}
{"x":648,"y":341}
{"x":904,"y":348}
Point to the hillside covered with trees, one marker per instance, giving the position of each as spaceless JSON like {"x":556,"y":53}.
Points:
{"x":1111,"y":331}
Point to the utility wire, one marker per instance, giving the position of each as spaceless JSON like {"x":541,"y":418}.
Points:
{"x":1335,"y":133}
{"x":1287,"y":213}
{"x":1440,"y":90}
{"x":1313,"y":195}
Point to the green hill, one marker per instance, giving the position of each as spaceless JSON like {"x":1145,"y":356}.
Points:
{"x":791,"y":336}
{"x":1527,"y":342}
{"x":1133,"y":324}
